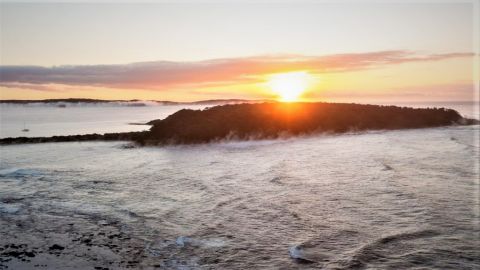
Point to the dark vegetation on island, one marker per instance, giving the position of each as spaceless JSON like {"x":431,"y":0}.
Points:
{"x":273,"y":120}
{"x":269,"y":121}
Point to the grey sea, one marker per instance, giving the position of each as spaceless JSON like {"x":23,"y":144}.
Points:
{"x":405,"y":199}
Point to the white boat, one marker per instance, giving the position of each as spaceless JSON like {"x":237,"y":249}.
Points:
{"x":25,"y":129}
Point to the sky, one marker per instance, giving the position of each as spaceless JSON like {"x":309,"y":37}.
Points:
{"x":352,"y":51}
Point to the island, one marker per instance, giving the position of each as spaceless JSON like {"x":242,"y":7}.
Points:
{"x":271,"y":120}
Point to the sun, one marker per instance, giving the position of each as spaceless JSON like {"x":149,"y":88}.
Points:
{"x":289,"y":86}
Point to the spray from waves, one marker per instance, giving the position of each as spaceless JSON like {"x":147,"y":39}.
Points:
{"x":183,"y":241}
{"x":233,"y":141}
{"x":7,"y":208}
{"x":298,"y":253}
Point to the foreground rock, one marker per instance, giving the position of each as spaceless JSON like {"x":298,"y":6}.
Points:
{"x":270,"y":121}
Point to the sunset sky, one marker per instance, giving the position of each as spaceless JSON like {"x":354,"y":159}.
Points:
{"x":347,"y":51}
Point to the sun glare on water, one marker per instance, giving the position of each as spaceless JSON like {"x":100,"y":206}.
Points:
{"x":289,"y":86}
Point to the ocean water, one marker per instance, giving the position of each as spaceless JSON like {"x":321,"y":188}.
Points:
{"x":377,"y":200}
{"x":83,"y":118}
{"x":469,"y":109}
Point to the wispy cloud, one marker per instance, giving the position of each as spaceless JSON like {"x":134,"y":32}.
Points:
{"x":460,"y":91}
{"x":162,"y":74}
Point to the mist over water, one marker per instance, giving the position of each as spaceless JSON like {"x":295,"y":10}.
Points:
{"x":375,"y":200}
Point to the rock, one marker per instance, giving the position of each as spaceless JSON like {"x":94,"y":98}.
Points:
{"x":56,"y":247}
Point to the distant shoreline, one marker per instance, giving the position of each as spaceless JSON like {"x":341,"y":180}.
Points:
{"x":214,"y":101}
{"x":137,"y":101}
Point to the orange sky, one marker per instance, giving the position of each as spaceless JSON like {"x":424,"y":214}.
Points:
{"x":185,"y":52}
{"x":379,"y":76}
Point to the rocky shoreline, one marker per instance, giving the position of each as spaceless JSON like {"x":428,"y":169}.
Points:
{"x":125,"y":136}
{"x":69,"y":241}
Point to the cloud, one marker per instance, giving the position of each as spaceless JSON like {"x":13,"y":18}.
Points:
{"x":459,"y":91}
{"x":38,"y":87}
{"x":163,"y":74}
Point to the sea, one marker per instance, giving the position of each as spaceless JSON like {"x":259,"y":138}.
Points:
{"x":402,"y":199}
